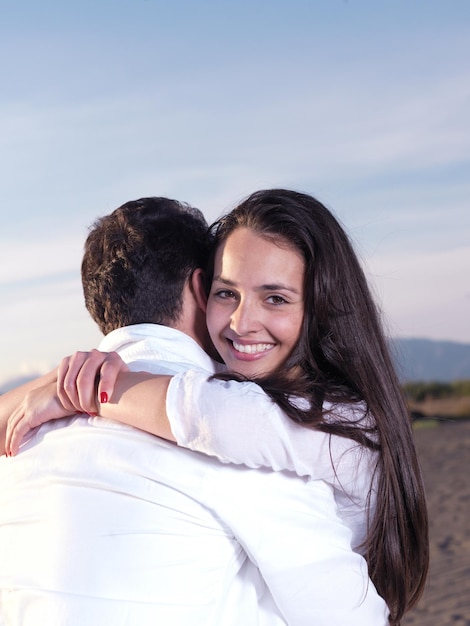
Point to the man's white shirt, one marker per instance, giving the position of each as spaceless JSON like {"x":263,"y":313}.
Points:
{"x":100,"y":522}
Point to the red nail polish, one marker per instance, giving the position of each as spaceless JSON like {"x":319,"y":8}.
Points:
{"x":103,"y":397}
{"x":93,"y":414}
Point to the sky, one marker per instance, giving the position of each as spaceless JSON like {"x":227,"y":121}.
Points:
{"x":363,"y":104}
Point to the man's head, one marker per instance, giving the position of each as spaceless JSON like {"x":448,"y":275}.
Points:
{"x":137,"y":261}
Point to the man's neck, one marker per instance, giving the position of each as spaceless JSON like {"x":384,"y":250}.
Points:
{"x":197,"y":330}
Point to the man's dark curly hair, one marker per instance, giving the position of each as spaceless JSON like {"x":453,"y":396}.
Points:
{"x":137,"y":259}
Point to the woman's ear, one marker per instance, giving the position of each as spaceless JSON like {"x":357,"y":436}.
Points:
{"x":198,"y":287}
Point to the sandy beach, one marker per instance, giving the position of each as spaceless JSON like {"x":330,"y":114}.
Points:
{"x":444,"y":452}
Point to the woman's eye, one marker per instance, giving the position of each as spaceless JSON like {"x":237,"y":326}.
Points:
{"x":224,"y":294}
{"x":276,"y":300}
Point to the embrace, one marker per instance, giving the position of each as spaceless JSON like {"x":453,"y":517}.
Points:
{"x":237,"y":453}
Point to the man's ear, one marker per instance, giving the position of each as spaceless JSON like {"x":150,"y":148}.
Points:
{"x":197,"y":284}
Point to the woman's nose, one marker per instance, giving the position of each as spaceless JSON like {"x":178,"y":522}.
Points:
{"x":244,"y":318}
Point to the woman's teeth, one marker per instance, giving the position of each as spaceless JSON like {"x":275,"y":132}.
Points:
{"x":252,"y":348}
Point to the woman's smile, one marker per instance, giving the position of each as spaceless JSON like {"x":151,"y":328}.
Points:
{"x":249,"y":351}
{"x":252,"y":348}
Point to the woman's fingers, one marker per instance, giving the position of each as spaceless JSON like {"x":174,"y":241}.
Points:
{"x":76,"y":380}
{"x":86,"y":377}
{"x":67,"y":372}
{"x":18,"y":427}
{"x":10,"y":437}
{"x":110,"y":369}
{"x":38,"y":406}
{"x":79,"y":378}
{"x":86,"y":380}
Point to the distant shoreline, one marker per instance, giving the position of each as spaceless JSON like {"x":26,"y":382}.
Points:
{"x":450,"y":408}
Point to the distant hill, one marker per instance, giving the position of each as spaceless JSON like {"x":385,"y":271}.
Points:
{"x":428,"y":360}
{"x":416,"y":359}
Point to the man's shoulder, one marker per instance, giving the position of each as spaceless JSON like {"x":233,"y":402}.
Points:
{"x":163,"y":349}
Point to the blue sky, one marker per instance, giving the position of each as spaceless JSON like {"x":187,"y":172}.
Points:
{"x":364,"y":104}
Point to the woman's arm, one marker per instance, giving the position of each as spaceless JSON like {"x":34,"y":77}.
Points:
{"x":100,"y":383}
{"x":138,"y":399}
{"x":238,"y":423}
{"x":235,"y":422}
{"x":214,"y":417}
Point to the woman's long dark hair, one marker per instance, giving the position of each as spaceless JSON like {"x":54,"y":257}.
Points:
{"x":344,"y":358}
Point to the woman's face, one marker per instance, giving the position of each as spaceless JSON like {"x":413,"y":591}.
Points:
{"x":256,"y":303}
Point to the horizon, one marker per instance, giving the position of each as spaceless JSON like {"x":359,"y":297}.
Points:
{"x":7,"y":384}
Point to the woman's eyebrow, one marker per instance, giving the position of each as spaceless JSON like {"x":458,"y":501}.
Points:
{"x":225,"y":281}
{"x":265,"y":287}
{"x":278,"y":287}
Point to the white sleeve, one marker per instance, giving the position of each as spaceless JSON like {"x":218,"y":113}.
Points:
{"x":238,"y":423}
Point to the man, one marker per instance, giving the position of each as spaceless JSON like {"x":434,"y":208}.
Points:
{"x":101,"y":522}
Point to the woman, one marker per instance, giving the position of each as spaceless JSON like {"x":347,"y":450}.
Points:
{"x":289,"y":307}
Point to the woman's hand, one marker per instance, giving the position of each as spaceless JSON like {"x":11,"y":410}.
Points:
{"x":80,"y":378}
{"x":100,"y":383}
{"x":86,"y":376}
{"x":86,"y":381}
{"x":38,"y":406}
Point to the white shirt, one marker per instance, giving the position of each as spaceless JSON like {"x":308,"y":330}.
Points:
{"x":238,"y":423}
{"x":102,"y":523}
